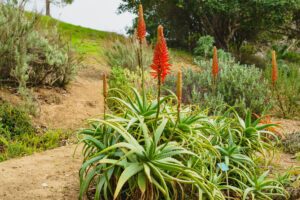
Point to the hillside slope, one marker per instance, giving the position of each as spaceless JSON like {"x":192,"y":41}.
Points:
{"x":54,"y":174}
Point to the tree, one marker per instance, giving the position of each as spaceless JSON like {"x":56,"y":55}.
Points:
{"x":49,"y":2}
{"x":230,"y":22}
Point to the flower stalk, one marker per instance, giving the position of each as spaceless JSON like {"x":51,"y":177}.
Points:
{"x":274,"y":80}
{"x":105,"y":93}
{"x":141,"y":35}
{"x":179,"y":93}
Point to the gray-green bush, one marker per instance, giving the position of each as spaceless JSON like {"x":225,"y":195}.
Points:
{"x":286,"y":93}
{"x":238,"y":85}
{"x":123,"y":53}
{"x":29,"y":55}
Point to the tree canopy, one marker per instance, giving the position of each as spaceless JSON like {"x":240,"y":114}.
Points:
{"x":230,"y":22}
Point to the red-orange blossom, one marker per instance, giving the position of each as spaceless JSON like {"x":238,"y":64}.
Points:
{"x":141,"y":27}
{"x":160,"y":64}
{"x":215,"y":64}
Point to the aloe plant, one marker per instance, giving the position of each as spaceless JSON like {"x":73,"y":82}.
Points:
{"x":254,"y":136}
{"x":194,"y":156}
{"x":156,"y":169}
{"x":262,"y":188}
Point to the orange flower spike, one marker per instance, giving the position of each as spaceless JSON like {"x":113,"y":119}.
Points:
{"x":141,"y":28}
{"x":160,"y":64}
{"x":105,"y":86}
{"x":274,"y":68}
{"x":215,"y":64}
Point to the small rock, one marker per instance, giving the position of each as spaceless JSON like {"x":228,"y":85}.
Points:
{"x":45,"y":185}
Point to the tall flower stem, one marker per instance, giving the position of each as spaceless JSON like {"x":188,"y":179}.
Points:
{"x":158,"y":97}
{"x":214,"y":86}
{"x":141,"y":66}
{"x":179,"y":94}
{"x":105,"y":93}
{"x":277,"y":96}
{"x":274,"y":81}
{"x":179,"y":98}
{"x":141,"y":35}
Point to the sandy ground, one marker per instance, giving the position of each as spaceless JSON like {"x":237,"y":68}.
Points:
{"x":49,"y":175}
{"x":289,"y":126}
{"x":67,"y":109}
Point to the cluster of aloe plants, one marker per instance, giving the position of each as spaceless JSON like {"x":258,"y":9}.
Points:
{"x":133,"y":155}
{"x":159,"y":149}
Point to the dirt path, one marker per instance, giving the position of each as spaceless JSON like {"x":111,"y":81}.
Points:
{"x":67,"y":109}
{"x":53,"y":174}
{"x":49,"y":175}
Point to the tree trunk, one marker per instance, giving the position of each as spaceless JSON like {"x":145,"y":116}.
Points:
{"x":48,"y":2}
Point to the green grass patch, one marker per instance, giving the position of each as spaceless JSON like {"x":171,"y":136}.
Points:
{"x":85,"y":41}
{"x":28,"y":144}
{"x":18,"y":137}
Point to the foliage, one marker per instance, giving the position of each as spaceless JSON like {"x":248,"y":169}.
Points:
{"x":29,"y":143}
{"x":32,"y":56}
{"x":18,"y":136}
{"x":14,"y":120}
{"x":204,"y":47}
{"x":229,"y":22}
{"x":292,"y":143}
{"x":287,"y":90}
{"x":287,"y":52}
{"x":238,"y":85}
{"x":191,"y":157}
{"x":263,"y":188}
{"x":122,"y":53}
{"x":124,"y":79}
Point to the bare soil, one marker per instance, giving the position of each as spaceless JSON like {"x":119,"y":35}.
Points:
{"x":289,"y":126}
{"x":67,"y":109}
{"x":48,"y":175}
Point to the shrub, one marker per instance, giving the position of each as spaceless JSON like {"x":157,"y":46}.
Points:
{"x":29,"y":55}
{"x":14,"y":120}
{"x":123,"y":53}
{"x":284,"y":52}
{"x":238,"y":85}
{"x":204,"y":47}
{"x":292,"y":143}
{"x":124,"y":79}
{"x":287,"y":90}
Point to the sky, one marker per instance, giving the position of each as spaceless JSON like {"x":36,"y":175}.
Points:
{"x":96,"y":14}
